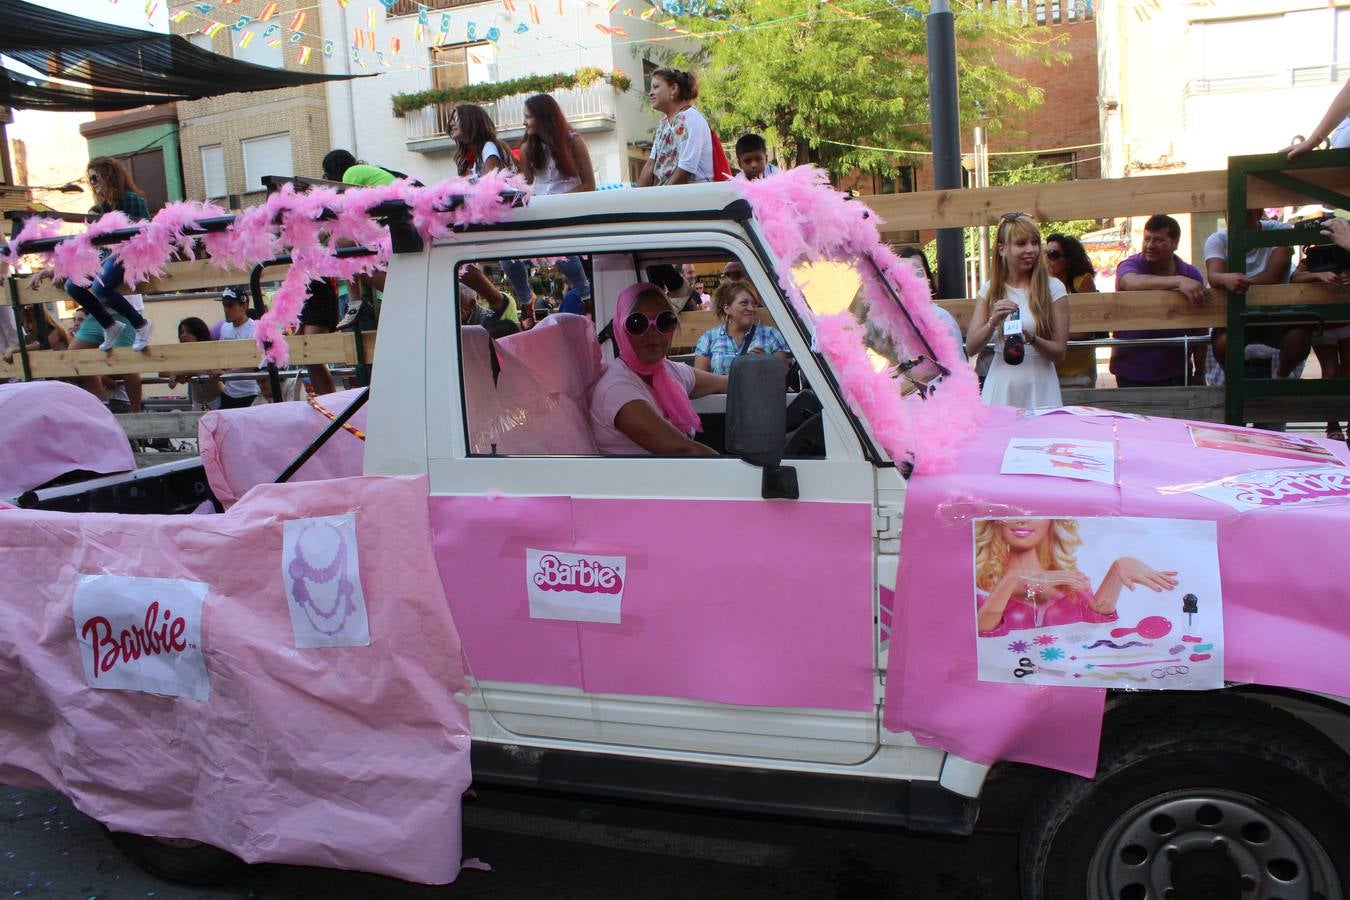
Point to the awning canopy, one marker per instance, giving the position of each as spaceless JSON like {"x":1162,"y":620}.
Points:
{"x":84,"y":65}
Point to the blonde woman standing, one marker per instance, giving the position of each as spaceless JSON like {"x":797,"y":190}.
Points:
{"x":1021,"y":286}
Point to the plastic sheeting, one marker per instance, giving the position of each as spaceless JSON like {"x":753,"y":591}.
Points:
{"x":353,"y":757}
{"x":50,"y":428}
{"x":242,"y":448}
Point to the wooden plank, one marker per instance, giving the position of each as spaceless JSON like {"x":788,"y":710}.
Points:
{"x":179,"y":423}
{"x":1154,"y":310}
{"x":311,"y":348}
{"x":693,"y":324}
{"x":1186,"y":192}
{"x":1202,"y":403}
{"x":179,"y":277}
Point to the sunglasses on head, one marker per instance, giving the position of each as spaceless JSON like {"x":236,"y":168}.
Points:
{"x":637,"y":324}
{"x":1009,"y":216}
{"x":1054,"y":254}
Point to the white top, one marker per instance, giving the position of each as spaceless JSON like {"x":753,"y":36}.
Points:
{"x":1216,"y":247}
{"x":549,"y":181}
{"x":1340,"y":135}
{"x":1033,"y":384}
{"x":242,"y":387}
{"x":684,"y":141}
{"x":489,"y":150}
{"x":620,"y":385}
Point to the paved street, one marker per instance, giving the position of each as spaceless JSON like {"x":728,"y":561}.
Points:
{"x":556,"y":847}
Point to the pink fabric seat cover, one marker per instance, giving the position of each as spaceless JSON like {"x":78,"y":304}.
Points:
{"x":245,"y":447}
{"x":50,"y":428}
{"x":542,"y":395}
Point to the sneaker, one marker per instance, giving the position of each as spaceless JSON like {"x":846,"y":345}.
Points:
{"x":349,"y":318}
{"x":143,"y":336}
{"x":110,"y":335}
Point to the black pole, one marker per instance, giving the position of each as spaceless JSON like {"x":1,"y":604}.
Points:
{"x":946,"y":125}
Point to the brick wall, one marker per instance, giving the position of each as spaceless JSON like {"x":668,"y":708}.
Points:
{"x":230,"y":119}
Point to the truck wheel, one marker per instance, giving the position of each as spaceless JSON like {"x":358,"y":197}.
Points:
{"x":1194,"y":803}
{"x":181,"y":861}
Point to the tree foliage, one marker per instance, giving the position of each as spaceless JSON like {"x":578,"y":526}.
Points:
{"x":813,"y":77}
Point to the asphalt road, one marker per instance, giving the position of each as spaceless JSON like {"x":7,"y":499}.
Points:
{"x":558,"y":847}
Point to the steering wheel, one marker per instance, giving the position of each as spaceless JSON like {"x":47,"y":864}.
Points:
{"x":805,"y":427}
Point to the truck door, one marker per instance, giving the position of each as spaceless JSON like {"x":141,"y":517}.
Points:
{"x":657,"y":602}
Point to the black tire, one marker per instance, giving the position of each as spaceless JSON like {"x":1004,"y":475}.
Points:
{"x":1201,"y":798}
{"x":183,"y":862}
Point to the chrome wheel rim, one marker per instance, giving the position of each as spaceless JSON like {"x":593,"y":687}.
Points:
{"x":1210,"y":845}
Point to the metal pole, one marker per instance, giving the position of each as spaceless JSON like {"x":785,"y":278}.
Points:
{"x":982,"y":181}
{"x":946,"y":126}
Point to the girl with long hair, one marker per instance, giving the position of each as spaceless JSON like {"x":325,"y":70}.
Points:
{"x":115,"y":190}
{"x":555,"y":160}
{"x":682,"y":150}
{"x":1068,"y":262}
{"x":478,"y":150}
{"x":1026,"y":576}
{"x":1021,"y":285}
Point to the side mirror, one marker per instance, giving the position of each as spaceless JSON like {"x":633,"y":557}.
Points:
{"x":757,"y":421}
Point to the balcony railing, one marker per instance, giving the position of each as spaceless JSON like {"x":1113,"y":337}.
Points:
{"x":587,"y":109}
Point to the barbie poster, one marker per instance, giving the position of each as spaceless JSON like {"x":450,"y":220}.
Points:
{"x":1099,"y":602}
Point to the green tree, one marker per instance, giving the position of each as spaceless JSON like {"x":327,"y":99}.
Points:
{"x":816,"y":77}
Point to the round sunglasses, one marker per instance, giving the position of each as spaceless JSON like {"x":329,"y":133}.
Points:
{"x":637,"y":324}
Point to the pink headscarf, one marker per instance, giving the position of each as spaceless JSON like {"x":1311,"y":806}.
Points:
{"x":670,"y":396}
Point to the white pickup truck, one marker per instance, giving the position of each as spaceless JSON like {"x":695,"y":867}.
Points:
{"x":789,"y":625}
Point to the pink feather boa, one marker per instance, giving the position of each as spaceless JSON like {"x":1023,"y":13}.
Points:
{"x":285,"y":220}
{"x":805,"y":220}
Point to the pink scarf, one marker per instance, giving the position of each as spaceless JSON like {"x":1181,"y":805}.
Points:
{"x":670,"y":395}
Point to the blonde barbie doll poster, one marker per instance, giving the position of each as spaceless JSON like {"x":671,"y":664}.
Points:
{"x":1099,"y":602}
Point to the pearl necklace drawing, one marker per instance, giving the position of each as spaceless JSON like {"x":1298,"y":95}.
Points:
{"x":332,"y":620}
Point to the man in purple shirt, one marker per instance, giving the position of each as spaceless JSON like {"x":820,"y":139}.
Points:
{"x":1157,"y":268}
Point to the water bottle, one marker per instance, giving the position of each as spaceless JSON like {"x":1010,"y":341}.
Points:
{"x":1014,"y":342}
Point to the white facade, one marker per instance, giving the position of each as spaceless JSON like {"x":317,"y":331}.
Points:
{"x":361,"y":115}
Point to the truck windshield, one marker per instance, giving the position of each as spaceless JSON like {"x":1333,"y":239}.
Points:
{"x":832,"y":287}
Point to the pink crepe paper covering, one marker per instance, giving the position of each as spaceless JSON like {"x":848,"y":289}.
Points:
{"x":52,"y":428}
{"x":242,"y":448}
{"x":285,"y":220}
{"x":352,"y":757}
{"x":804,"y":220}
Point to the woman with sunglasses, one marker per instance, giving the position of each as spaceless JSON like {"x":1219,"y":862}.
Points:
{"x":641,"y":404}
{"x":1020,"y":284}
{"x":1069,"y":263}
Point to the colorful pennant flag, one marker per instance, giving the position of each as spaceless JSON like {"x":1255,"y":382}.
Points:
{"x":304,"y":55}
{"x":213,"y":29}
{"x":328,"y":49}
{"x":613,"y":6}
{"x":268,"y":12}
{"x":510,"y":5}
{"x":204,"y":8}
{"x":387,"y":4}
{"x":647,"y":13}
{"x":560,"y":7}
{"x":379,"y":54}
{"x":271,"y":30}
{"x":472,"y":31}
{"x":240,"y":23}
{"x":296,"y":37}
{"x":419,"y":33}
{"x":299,"y":21}
{"x":343,"y":3}
{"x":395,"y":45}
{"x":370,"y":17}
{"x":178,"y":16}
{"x":493,"y":34}
{"x":358,"y":40}
{"x":475,"y":59}
{"x":246,"y":40}
{"x":522,"y":28}
{"x":423,"y":17}
{"x":534,"y":14}
{"x":445,"y":23}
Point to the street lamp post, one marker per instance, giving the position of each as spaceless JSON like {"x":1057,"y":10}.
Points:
{"x":946,"y":129}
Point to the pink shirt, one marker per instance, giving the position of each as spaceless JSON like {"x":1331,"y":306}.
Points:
{"x":621,"y":385}
{"x":1062,"y":609}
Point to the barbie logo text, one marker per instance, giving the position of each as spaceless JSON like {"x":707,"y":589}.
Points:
{"x":129,"y":642}
{"x":584,"y":576}
{"x":155,"y":638}
{"x":1276,"y":488}
{"x":575,"y":588}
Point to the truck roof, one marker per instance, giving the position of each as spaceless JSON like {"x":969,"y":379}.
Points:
{"x":675,"y":202}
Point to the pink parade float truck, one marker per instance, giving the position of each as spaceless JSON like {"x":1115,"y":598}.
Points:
{"x":873,"y":594}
